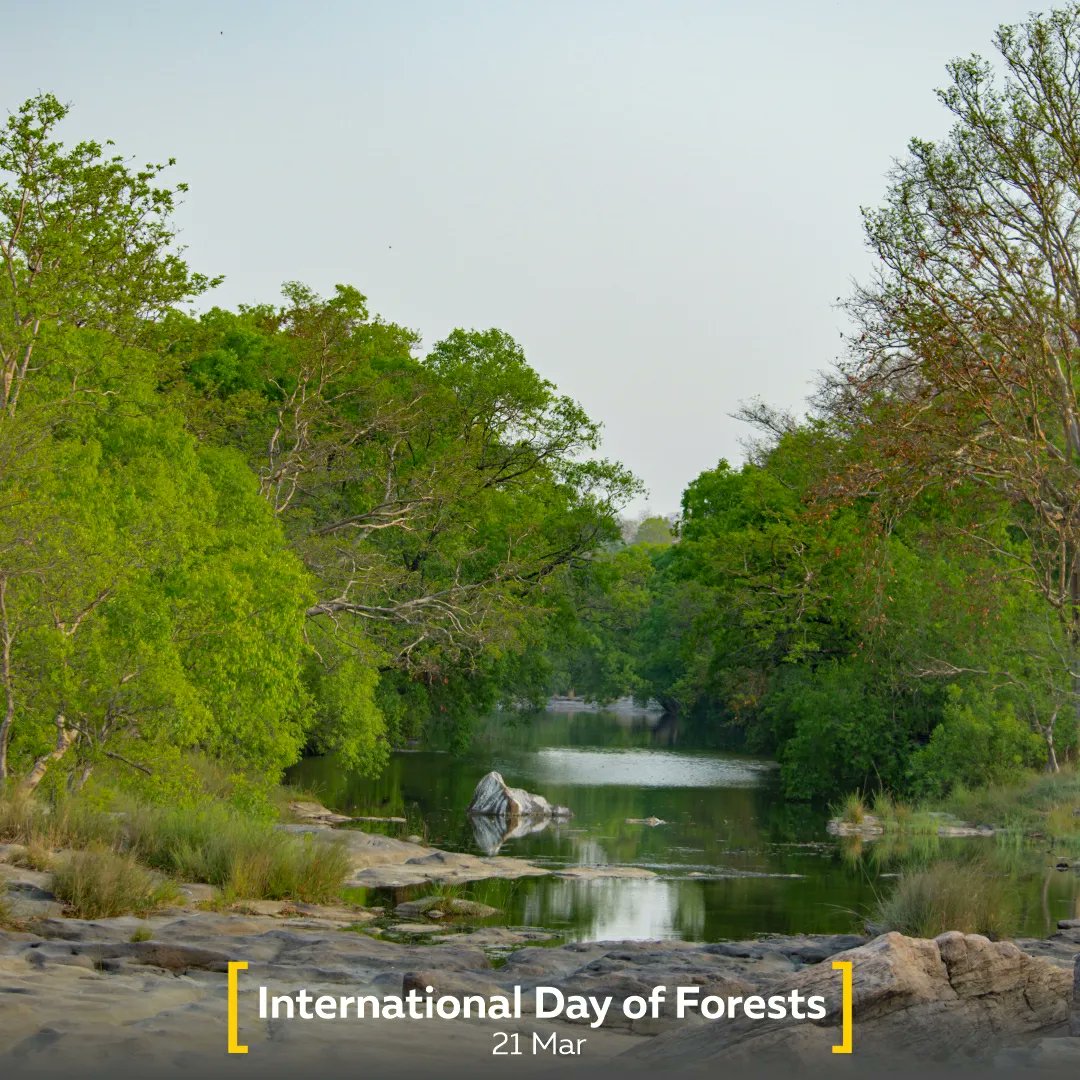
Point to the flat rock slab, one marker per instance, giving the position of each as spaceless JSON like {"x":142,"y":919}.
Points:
{"x":871,"y":827}
{"x":596,"y":873}
{"x":316,"y":812}
{"x":441,"y":867}
{"x":440,"y":907}
{"x":83,"y":990}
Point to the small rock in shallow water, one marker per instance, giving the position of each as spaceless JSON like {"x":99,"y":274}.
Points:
{"x":438,"y":907}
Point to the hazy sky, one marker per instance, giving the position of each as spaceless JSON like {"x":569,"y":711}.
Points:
{"x":658,"y":200}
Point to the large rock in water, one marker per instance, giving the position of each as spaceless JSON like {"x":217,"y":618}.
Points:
{"x":495,"y":798}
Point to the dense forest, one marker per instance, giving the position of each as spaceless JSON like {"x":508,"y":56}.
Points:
{"x":262,"y":531}
{"x":291,"y":528}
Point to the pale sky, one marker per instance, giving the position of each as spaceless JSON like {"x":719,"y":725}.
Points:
{"x":658,"y":200}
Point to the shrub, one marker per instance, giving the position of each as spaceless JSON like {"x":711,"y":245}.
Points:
{"x":100,"y":884}
{"x":979,"y":741}
{"x":969,"y":897}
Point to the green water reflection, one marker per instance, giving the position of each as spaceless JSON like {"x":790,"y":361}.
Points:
{"x":733,"y":859}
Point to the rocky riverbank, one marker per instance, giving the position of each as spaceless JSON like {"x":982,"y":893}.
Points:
{"x":80,"y":995}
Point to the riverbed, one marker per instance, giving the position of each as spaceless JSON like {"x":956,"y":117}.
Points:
{"x":732,"y":857}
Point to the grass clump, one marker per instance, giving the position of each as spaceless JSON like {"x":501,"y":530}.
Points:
{"x":246,"y":858}
{"x":1044,"y":803}
{"x":967,"y":896}
{"x":101,"y":884}
{"x":852,"y":810}
{"x":42,"y":827}
{"x":8,"y":921}
{"x":211,"y":841}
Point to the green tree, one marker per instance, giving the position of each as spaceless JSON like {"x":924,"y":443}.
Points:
{"x":963,"y":374}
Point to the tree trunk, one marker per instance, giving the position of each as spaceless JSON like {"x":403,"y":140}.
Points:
{"x":1073,"y":630}
{"x":5,"y":735}
{"x":64,"y":739}
{"x":78,"y":780}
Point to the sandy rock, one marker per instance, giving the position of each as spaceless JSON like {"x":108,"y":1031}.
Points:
{"x":11,"y":852}
{"x":500,"y":937}
{"x":415,"y":865}
{"x":197,"y":892}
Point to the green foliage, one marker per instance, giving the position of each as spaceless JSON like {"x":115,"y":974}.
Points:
{"x":252,"y":533}
{"x":843,"y":735}
{"x":979,"y":741}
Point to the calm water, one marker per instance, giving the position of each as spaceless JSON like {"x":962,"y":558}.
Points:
{"x":733,"y":859}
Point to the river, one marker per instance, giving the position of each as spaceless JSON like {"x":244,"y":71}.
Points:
{"x":732,"y":858}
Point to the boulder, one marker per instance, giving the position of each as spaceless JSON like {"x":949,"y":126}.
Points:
{"x":495,"y":798}
{"x":955,"y":997}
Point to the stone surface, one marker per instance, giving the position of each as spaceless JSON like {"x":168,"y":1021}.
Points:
{"x":77,"y":991}
{"x":956,"y":997}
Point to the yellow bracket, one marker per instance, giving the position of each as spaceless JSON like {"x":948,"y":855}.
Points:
{"x":844,"y":966}
{"x":235,"y":967}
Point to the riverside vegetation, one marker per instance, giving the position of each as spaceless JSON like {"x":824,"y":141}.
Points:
{"x":240,"y":537}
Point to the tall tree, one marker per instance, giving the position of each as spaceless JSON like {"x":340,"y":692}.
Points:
{"x":965,"y":370}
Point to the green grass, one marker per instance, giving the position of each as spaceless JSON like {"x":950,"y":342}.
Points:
{"x":966,"y":896}
{"x":8,"y":921}
{"x":101,"y":884}
{"x":1044,"y":803}
{"x":42,"y":828}
{"x":852,"y":810}
{"x":246,"y":858}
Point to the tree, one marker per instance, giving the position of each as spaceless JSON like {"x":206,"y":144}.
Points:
{"x":436,"y":502}
{"x":964,"y":374}
{"x":85,"y":241}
